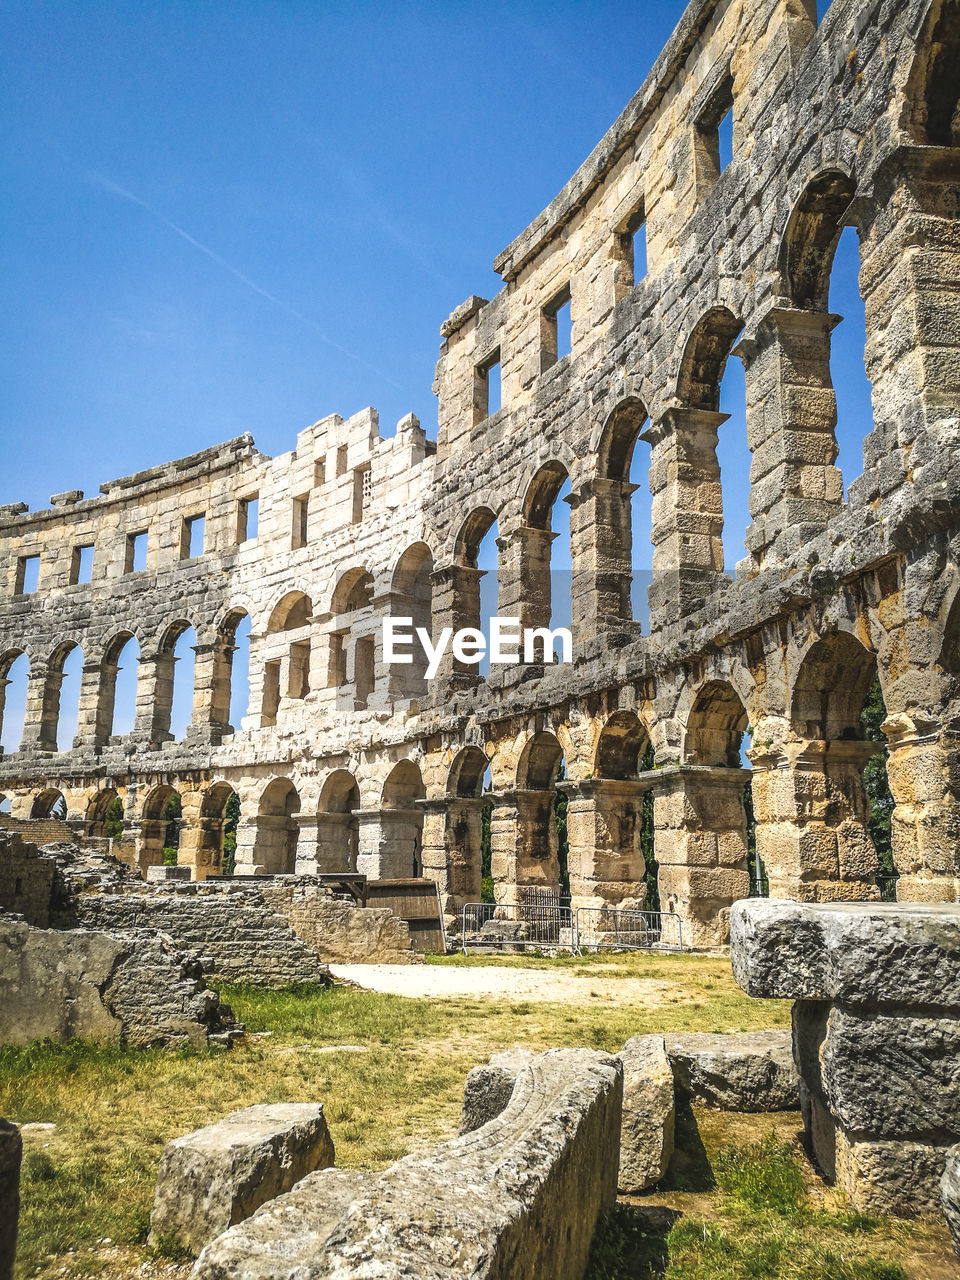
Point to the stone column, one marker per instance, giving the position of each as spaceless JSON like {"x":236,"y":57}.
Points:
{"x":700,"y":843}
{"x":910,"y":283}
{"x":811,"y":814}
{"x":687,"y":510}
{"x":452,"y":850}
{"x":40,"y":712}
{"x":795,"y":486}
{"x":154,"y":697}
{"x":923,"y":769}
{"x":523,"y":837}
{"x":201,"y":839}
{"x":89,"y":727}
{"x":600,"y":533}
{"x":210,"y":719}
{"x":603,"y":830}
{"x":148,"y":835}
{"x":524,"y":576}
{"x":456,"y":604}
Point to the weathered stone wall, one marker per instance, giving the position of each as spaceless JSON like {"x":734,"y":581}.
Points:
{"x":135,"y":988}
{"x":26,"y":881}
{"x":344,"y":764}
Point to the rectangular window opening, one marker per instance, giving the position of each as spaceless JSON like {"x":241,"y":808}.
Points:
{"x":248,"y":518}
{"x":28,"y":575}
{"x":298,"y":683}
{"x":271,"y":693}
{"x":319,"y":473}
{"x":362,"y":491}
{"x":557,"y":329}
{"x":633,"y":243}
{"x":81,"y":565}
{"x":487,"y":392}
{"x":191,"y":537}
{"x":715,"y":130}
{"x":135,"y":560}
{"x":301,"y":516}
{"x":342,"y":460}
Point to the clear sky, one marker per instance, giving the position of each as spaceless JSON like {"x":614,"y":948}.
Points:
{"x":228,"y":217}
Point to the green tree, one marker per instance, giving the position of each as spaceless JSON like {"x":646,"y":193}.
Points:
{"x":113,"y":823}
{"x":652,"y":901}
{"x":563,"y":844}
{"x":486,"y":860}
{"x":231,"y":815}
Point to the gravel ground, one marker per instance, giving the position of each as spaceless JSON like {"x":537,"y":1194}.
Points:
{"x":554,"y":986}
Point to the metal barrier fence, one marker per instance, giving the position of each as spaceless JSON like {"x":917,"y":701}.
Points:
{"x":544,"y":924}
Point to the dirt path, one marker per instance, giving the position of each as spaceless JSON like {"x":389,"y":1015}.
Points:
{"x":554,"y":986}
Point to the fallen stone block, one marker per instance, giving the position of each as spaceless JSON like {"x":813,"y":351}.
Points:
{"x":515,"y":1199}
{"x":220,"y":1175}
{"x":647,"y":1131}
{"x":488,"y":1089}
{"x":11,"y":1151}
{"x":950,"y":1195}
{"x":746,"y":1071}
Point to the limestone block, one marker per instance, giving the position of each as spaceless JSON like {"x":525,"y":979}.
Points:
{"x":221,"y":1174}
{"x":887,"y":1176}
{"x":747,"y":1071}
{"x":517,"y":1198}
{"x":861,"y":953}
{"x":950,"y":1195}
{"x":647,"y":1131}
{"x":11,"y":1151}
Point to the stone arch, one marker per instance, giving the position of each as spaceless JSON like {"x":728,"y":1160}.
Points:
{"x":472,"y":532}
{"x":933,"y":90}
{"x":230,"y":677}
{"x":51,"y":729}
{"x":411,"y":591}
{"x":291,"y":612}
{"x":401,"y":821}
{"x":704,"y":358}
{"x":539,"y":762}
{"x":354,"y":590}
{"x":715,"y":725}
{"x":541,"y":494}
{"x":337,"y":826}
{"x":466,"y":773}
{"x":810,"y":239}
{"x":829,"y":689}
{"x":49,"y":803}
{"x":352,"y":654}
{"x":275,"y":849}
{"x":96,"y":819}
{"x":620,"y":747}
{"x":618,"y":439}
{"x":124,"y":645}
{"x":167,"y":682}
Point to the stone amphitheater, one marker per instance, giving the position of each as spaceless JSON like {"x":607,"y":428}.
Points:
{"x":347,"y":763}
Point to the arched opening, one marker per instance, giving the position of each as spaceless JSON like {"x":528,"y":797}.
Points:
{"x":278,"y":830}
{"x":826,"y":366}
{"x":352,"y":663}
{"x":814,"y":836}
{"x":5,"y":805}
{"x":935,"y":86}
{"x":619,"y":517}
{"x":49,"y":804}
{"x":401,"y":821}
{"x":412,"y":597}
{"x":293,"y":611}
{"x":338,"y":833}
{"x":620,"y":747}
{"x":175,"y":672}
{"x":475,"y":580}
{"x":233,"y":676}
{"x":104,"y":817}
{"x":544,"y":556}
{"x":14,"y":673}
{"x":216,"y":834}
{"x":467,"y":827}
{"x":118,"y":687}
{"x":60,"y":716}
{"x":160,"y":827}
{"x":541,"y":857}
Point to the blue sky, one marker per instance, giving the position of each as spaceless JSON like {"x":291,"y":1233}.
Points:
{"x":228,"y":217}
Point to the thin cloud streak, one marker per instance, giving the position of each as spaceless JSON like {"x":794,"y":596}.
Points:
{"x":116,"y":189}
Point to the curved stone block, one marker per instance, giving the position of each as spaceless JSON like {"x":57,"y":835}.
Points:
{"x":517,"y":1198}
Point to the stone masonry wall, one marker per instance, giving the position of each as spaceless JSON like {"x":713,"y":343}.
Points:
{"x":343,"y":764}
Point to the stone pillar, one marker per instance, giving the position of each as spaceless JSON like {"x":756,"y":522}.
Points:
{"x":154,"y":697}
{"x":272,"y":850}
{"x":4,"y":685}
{"x":923,"y":769}
{"x":603,"y":831}
{"x":600,"y":533}
{"x":456,"y":604}
{"x":795,"y":486}
{"x":245,"y":863}
{"x":811,"y":814}
{"x":201,"y":839}
{"x":687,"y":510}
{"x":389,"y":839}
{"x":210,"y":719}
{"x":524,"y":576}
{"x":40,"y":713}
{"x":452,"y":854}
{"x":523,"y":842}
{"x":106,"y":702}
{"x":700,"y":843}
{"x":148,"y":835}
{"x":89,"y":726}
{"x":910,"y":283}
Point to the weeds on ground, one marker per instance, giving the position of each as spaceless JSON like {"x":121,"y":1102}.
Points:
{"x":762,"y":1225}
